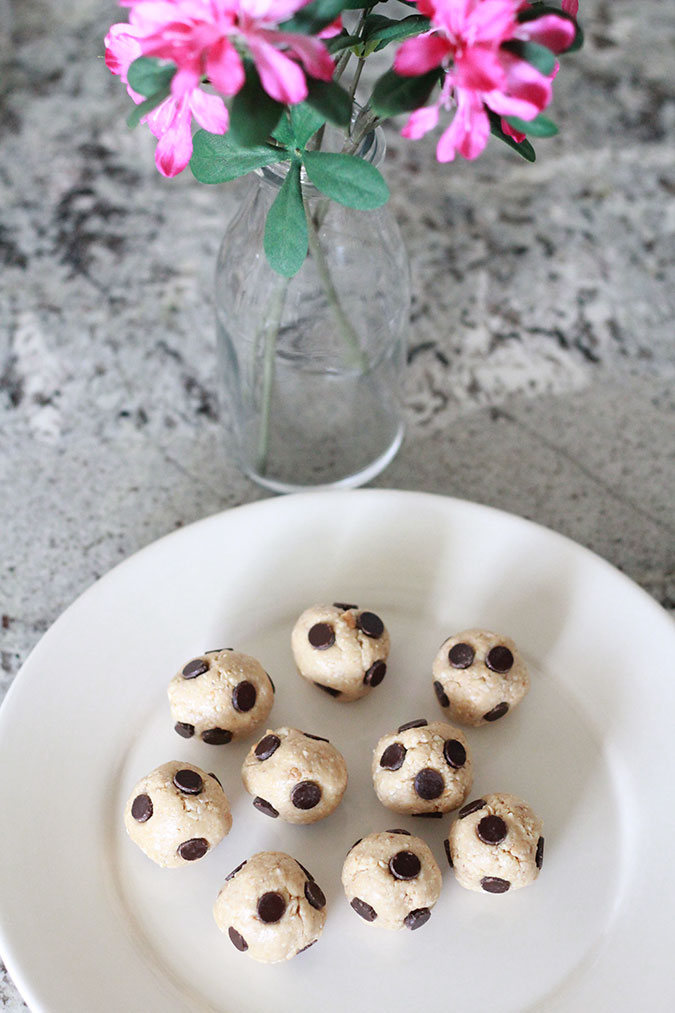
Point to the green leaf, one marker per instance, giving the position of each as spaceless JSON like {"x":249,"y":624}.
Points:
{"x":393,"y":94}
{"x":347,"y":179}
{"x":253,"y":114}
{"x":330,"y":100}
{"x":533,"y":53}
{"x":139,"y":111}
{"x":339,"y":42}
{"x":217,"y":158}
{"x":386,"y":30}
{"x":531,"y":14}
{"x":540,"y":126}
{"x":305,"y":121}
{"x":285,"y":240}
{"x":524,"y":148}
{"x":310,"y":20}
{"x":147,"y":75}
{"x":283,"y":132}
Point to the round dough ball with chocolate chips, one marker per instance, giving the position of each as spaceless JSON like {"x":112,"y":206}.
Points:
{"x":294,"y":775}
{"x":271,"y":907}
{"x":422,"y":769}
{"x":495,"y":844}
{"x":341,"y":648}
{"x":391,"y":879}
{"x":177,"y":814}
{"x":220,"y":696}
{"x":479,"y":676}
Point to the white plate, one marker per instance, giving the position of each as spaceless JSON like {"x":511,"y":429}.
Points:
{"x":88,"y":923}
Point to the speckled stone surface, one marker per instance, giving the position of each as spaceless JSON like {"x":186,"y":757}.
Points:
{"x":541,"y":355}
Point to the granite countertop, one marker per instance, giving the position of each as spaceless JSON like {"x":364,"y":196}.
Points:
{"x":541,"y":360}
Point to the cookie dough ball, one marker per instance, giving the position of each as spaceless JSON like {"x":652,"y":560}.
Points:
{"x":294,"y":775}
{"x":422,"y":769}
{"x":177,"y":814}
{"x":495,"y":844}
{"x":220,"y":696}
{"x":341,"y":648}
{"x":392,"y":880}
{"x":271,"y":907}
{"x":479,"y":676}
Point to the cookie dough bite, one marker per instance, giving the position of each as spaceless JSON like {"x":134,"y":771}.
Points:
{"x":220,"y":696}
{"x":495,"y":844}
{"x":392,"y":880}
{"x":422,"y":769}
{"x":479,"y":676}
{"x":341,"y":648}
{"x":271,"y":907}
{"x":295,"y":775}
{"x":177,"y":814}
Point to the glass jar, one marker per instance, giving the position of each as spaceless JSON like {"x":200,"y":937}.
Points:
{"x":312,"y":366}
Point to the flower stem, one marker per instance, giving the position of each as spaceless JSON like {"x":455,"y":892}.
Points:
{"x":270,"y":332}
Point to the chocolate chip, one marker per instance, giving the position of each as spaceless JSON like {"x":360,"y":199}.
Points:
{"x":237,"y":939}
{"x":355,"y":843}
{"x":370,"y":624}
{"x":499,"y":659}
{"x":393,"y":756}
{"x":427,"y":816}
{"x":448,"y":855}
{"x":319,"y":738}
{"x":141,"y":808}
{"x":367,"y":912}
{"x":306,"y":947}
{"x":461,"y":655}
{"x":189,"y":782}
{"x":405,"y":865}
{"x":417,"y":723}
{"x":218,"y":650}
{"x":235,"y":871}
{"x":216,"y":736}
{"x":306,"y":871}
{"x":263,"y":806}
{"x":398,"y":831}
{"x":491,"y":830}
{"x":497,"y":712}
{"x":267,"y":745}
{"x":274,"y":689}
{"x":471,"y":807}
{"x":315,"y":894}
{"x":216,"y":778}
{"x":193,"y":849}
{"x":344,"y":606}
{"x":375,"y":674}
{"x":321,"y":636}
{"x":184,"y":729}
{"x":493,"y":884}
{"x":417,"y":918}
{"x":306,"y":795}
{"x":195,"y":668}
{"x":244,"y":696}
{"x":539,"y":857}
{"x":328,"y":689}
{"x":271,"y":907}
{"x":429,"y":783}
{"x":454,"y":753}
{"x":441,"y":694}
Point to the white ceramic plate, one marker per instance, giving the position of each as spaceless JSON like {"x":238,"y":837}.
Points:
{"x":88,"y":923}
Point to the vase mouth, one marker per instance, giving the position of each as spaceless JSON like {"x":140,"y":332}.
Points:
{"x":372,"y":148}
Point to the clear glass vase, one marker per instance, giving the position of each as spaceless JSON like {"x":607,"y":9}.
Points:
{"x":312,"y":366}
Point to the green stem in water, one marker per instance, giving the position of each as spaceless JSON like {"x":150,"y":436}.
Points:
{"x":270,"y":332}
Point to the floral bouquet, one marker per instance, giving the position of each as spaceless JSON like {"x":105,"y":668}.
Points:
{"x":263,"y":78}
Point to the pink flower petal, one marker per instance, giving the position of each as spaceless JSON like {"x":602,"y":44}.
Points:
{"x":312,"y":53}
{"x":224,"y":68}
{"x":491,"y":21}
{"x":528,"y":91}
{"x":174,"y":148}
{"x":512,"y":132}
{"x":479,"y":69}
{"x":467,"y":134}
{"x":184,"y":82}
{"x":209,"y":111}
{"x":571,"y":7}
{"x":281,"y":78}
{"x":122,"y":47}
{"x":550,"y":30}
{"x":420,"y":123}
{"x":272,"y":11}
{"x":420,"y":55}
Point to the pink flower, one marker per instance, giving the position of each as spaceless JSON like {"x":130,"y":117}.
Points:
{"x":466,"y":40}
{"x":204,"y":39}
